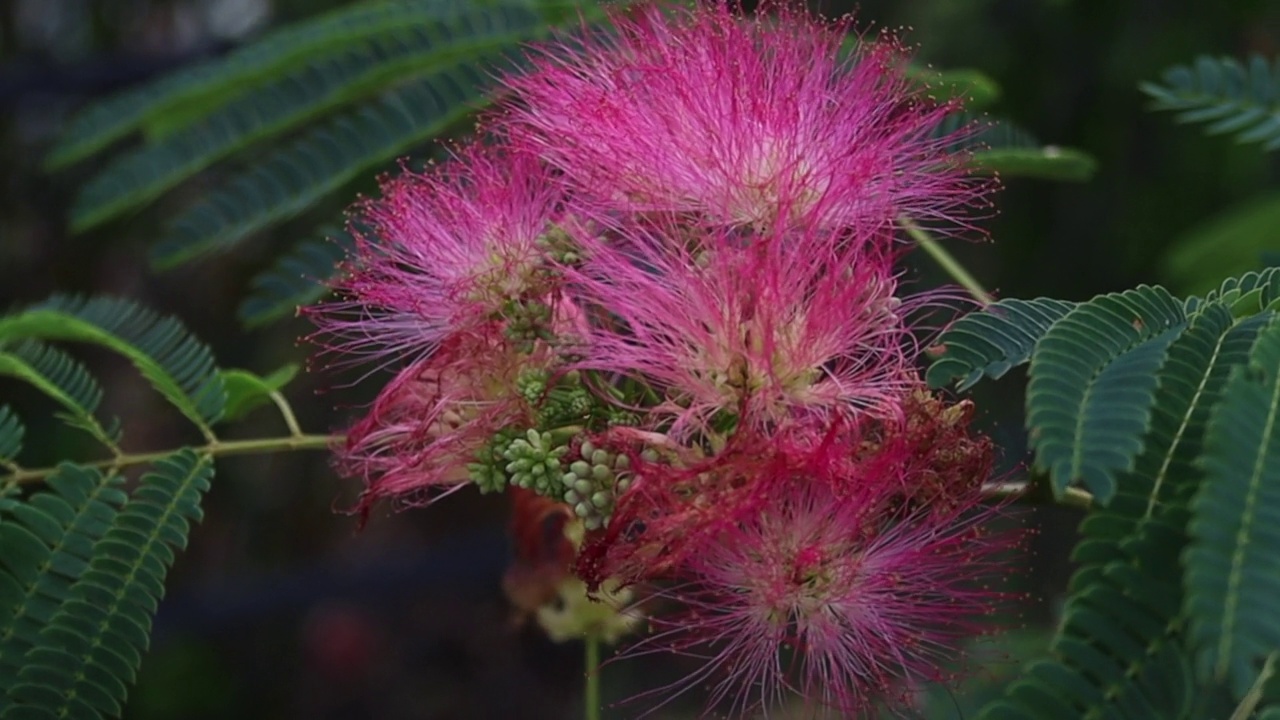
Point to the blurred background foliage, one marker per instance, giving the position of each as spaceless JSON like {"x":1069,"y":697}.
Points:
{"x":279,"y":608}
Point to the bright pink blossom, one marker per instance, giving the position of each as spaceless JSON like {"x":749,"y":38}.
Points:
{"x":761,"y":121}
{"x":723,"y":322}
{"x":833,"y":589}
{"x":442,"y":252}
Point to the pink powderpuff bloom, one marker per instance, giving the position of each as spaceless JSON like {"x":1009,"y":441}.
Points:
{"x":764,"y":121}
{"x":681,"y":500}
{"x":444,"y":252}
{"x":722,"y":322}
{"x":835,"y":591}
{"x":427,"y":424}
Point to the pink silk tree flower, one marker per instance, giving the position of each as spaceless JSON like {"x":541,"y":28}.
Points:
{"x":428,"y":423}
{"x":758,"y":122}
{"x":833,"y":590}
{"x":678,"y":501}
{"x":728,"y":323}
{"x":445,"y":251}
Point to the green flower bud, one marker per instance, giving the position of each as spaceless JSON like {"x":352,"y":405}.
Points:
{"x":535,"y":463}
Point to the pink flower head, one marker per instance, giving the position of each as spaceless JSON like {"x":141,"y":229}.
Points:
{"x":429,"y":422}
{"x":833,"y":589}
{"x":924,"y":458}
{"x":744,"y":121}
{"x":445,"y":251}
{"x":764,"y":328}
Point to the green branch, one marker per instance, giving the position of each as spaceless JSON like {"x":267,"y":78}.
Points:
{"x":945,"y":260}
{"x":216,"y":448}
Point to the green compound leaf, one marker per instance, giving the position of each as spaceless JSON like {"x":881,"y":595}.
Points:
{"x":1121,"y":651}
{"x":979,"y":132}
{"x":1168,"y":471}
{"x":247,"y":391}
{"x":63,"y":379}
{"x":1046,"y":163}
{"x":90,"y":646}
{"x":991,"y":342}
{"x":301,"y":172}
{"x":176,"y":99}
{"x":1117,"y":655}
{"x":1249,"y":294}
{"x":11,"y":432}
{"x":326,"y":83}
{"x":172,"y":360}
{"x":1000,"y":146}
{"x":1093,"y":381}
{"x":1233,"y":564}
{"x":49,"y":541}
{"x":1234,"y":98}
{"x":977,"y":89}
{"x":298,"y":278}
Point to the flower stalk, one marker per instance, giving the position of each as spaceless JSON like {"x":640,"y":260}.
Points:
{"x":591,"y":691}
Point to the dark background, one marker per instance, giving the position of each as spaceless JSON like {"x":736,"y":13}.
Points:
{"x":279,"y":609}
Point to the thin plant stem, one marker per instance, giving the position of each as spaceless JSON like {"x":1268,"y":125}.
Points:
{"x":946,"y":261}
{"x":217,"y":448}
{"x":1254,"y":696}
{"x":1071,"y":497}
{"x":286,"y":412}
{"x":591,"y":693}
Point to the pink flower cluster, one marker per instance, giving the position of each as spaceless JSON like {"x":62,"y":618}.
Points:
{"x":660,"y":289}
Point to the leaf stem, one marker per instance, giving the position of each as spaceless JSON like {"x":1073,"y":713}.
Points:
{"x":946,"y":261}
{"x":216,"y":448}
{"x":1254,"y":696}
{"x":591,"y":693}
{"x":286,"y":412}
{"x":1071,"y":497}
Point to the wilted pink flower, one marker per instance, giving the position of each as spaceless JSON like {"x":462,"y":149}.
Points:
{"x":427,"y":424}
{"x":761,"y":327}
{"x":744,"y":121}
{"x":443,"y":252}
{"x":833,"y":589}
{"x":682,"y":500}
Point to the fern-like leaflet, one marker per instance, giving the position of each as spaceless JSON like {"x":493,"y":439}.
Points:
{"x":1236,"y":98}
